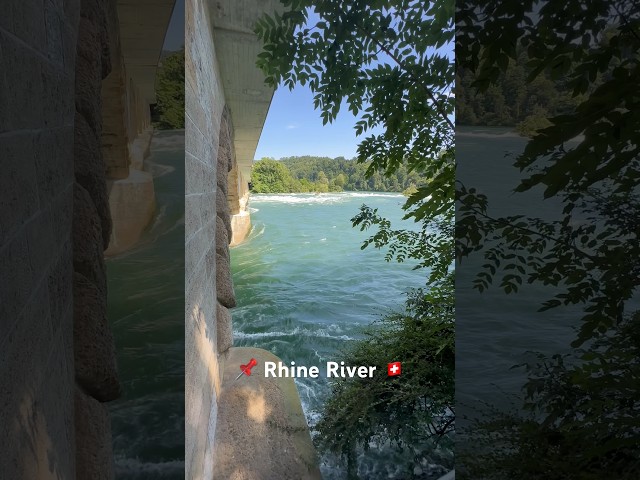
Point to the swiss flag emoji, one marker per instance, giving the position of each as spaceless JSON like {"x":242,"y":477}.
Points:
{"x":394,"y":369}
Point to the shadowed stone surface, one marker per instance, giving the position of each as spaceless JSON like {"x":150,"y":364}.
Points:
{"x":94,"y":352}
{"x":225,"y":328}
{"x":224,"y":283}
{"x":87,"y":240}
{"x":94,"y":455}
{"x":90,"y":173}
{"x":222,"y":238}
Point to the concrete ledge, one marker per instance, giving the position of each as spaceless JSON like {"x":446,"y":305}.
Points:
{"x":132,"y":203}
{"x":449,"y":476}
{"x":261,"y":433}
{"x":240,"y":228}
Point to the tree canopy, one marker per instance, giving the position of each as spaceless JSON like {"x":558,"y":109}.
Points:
{"x":324,"y":174}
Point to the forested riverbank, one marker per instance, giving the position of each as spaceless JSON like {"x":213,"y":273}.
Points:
{"x":324,"y":174}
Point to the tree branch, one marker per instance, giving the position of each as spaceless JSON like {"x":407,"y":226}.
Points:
{"x":437,"y":105}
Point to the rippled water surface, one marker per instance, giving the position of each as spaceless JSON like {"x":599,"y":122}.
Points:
{"x":305,"y":289}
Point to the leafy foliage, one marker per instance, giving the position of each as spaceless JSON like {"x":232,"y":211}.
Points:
{"x":580,"y":422}
{"x":271,"y":176}
{"x":358,"y":412}
{"x":169,"y":109}
{"x":384,"y":60}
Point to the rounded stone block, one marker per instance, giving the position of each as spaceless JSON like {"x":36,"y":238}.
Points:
{"x":93,"y":348}
{"x":90,"y":173}
{"x":225,"y":151}
{"x":94,"y":454}
{"x":224,"y":283}
{"x":265,"y":413}
{"x":94,"y":12}
{"x":222,"y":210}
{"x":222,"y":238}
{"x":224,"y":328}
{"x":88,"y":258}
{"x":89,"y":72}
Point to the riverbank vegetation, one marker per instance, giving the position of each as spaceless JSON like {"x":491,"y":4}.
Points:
{"x":390,"y":63}
{"x":517,"y":97}
{"x":324,"y":174}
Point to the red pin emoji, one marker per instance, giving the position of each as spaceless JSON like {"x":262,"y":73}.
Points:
{"x":246,"y":369}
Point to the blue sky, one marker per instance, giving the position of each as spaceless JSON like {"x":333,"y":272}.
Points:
{"x":293,"y":127}
{"x":174,"y":39}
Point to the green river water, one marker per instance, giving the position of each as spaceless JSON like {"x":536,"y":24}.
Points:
{"x":305,"y":290}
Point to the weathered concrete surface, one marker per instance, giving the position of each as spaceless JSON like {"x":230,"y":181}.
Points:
{"x":140,"y":148}
{"x":266,"y":414}
{"x":247,"y":99}
{"x":132,"y":203}
{"x":143,"y":25}
{"x":237,"y":47}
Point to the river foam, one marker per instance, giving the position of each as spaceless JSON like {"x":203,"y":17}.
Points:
{"x":318,"y":198}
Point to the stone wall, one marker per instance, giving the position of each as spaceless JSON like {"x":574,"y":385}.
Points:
{"x":64,"y":129}
{"x":204,"y":107}
{"x":37,"y":70}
